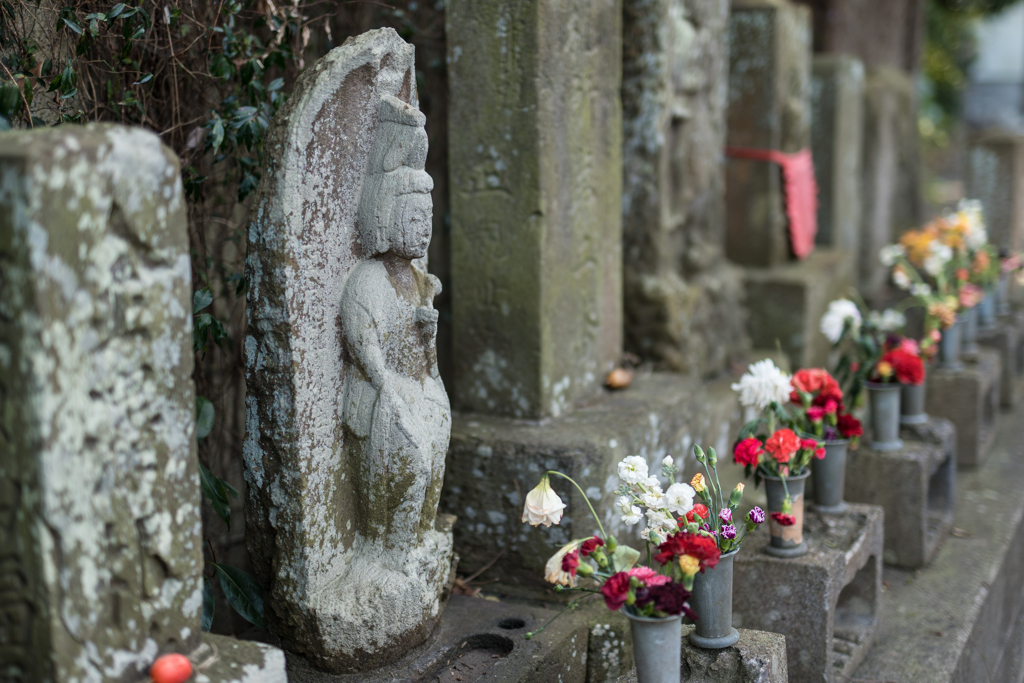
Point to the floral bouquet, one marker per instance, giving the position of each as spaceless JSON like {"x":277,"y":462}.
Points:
{"x":821,"y":411}
{"x":901,"y":362}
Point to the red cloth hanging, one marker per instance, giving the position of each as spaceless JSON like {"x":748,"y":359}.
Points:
{"x":801,"y":192}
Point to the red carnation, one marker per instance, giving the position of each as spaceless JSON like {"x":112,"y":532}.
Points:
{"x":747,"y":452}
{"x":815,"y":413}
{"x":808,"y":444}
{"x":908,"y":367}
{"x":704,"y":548}
{"x":783,"y":519}
{"x":782,"y":444}
{"x":570,"y":561}
{"x":700,"y":510}
{"x":849,"y":426}
{"x":616,"y":590}
{"x":590,"y":545}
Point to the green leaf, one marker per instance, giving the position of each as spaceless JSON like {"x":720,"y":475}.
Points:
{"x":209,"y":604}
{"x":201,"y":299}
{"x":73,"y":26}
{"x":10,"y":99}
{"x":624,"y":558}
{"x":242,"y":592}
{"x":115,"y":11}
{"x":69,"y":95}
{"x":211,"y":485}
{"x":145,"y":79}
{"x":204,"y":417}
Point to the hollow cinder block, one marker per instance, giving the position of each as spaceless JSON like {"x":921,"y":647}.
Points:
{"x":969,"y":398}
{"x":1007,"y":337}
{"x":825,"y":603}
{"x":915,"y":486}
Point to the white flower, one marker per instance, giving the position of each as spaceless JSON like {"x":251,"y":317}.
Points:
{"x":839,"y":311}
{"x":888,"y":320}
{"x":679,"y":498}
{"x":667,"y":461}
{"x":921,"y":290}
{"x":661,"y":519}
{"x":633,"y":469}
{"x":630,"y":513}
{"x":976,"y":238}
{"x":889,"y":254}
{"x":653,"y":499}
{"x":652,"y":483}
{"x":646,"y":533}
{"x":553,"y":569}
{"x":939,"y":255}
{"x":543,"y":506}
{"x":901,"y":279}
{"x":762,"y":384}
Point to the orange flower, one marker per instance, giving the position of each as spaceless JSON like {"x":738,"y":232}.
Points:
{"x":782,"y":445}
{"x":945,"y":313}
{"x":982,"y":261}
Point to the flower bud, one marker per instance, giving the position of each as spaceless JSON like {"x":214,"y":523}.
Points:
{"x":737,"y":493}
{"x":611,"y":544}
{"x":585,"y":569}
{"x":712,"y":456}
{"x":698,"y":452}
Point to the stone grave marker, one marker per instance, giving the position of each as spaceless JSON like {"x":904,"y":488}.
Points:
{"x":348,"y":421}
{"x":995,"y":176}
{"x":100,"y":531}
{"x":969,"y":398}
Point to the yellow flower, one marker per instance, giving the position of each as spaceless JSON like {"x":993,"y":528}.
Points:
{"x":884,"y":368}
{"x":698,"y":482}
{"x":689,"y":564}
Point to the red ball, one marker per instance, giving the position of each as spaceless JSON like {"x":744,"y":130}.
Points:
{"x":172,"y":668}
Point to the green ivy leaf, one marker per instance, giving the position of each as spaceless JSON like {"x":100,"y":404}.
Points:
{"x":209,"y":604}
{"x":211,"y":485}
{"x":242,"y":592}
{"x":10,"y":99}
{"x":204,"y":417}
{"x":201,"y":299}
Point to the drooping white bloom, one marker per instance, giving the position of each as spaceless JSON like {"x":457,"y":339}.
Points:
{"x":679,"y":498}
{"x":553,"y":572}
{"x":633,"y":469}
{"x":543,"y":506}
{"x":921,"y":290}
{"x":667,"y":461}
{"x":889,"y":254}
{"x":901,"y":279}
{"x":661,"y":519}
{"x":938,"y":256}
{"x":888,"y":320}
{"x":839,"y":311}
{"x":762,"y":384}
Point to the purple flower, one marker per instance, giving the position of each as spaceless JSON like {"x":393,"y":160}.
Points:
{"x":756,"y":515}
{"x":729,"y":531}
{"x":725,"y":515}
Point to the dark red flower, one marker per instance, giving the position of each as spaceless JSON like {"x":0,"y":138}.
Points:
{"x":570,"y":561}
{"x":669,"y":598}
{"x":747,"y":452}
{"x":704,"y":548}
{"x":783,"y":519}
{"x":590,"y":545}
{"x":616,"y":590}
{"x":849,"y":426}
{"x":700,"y":510}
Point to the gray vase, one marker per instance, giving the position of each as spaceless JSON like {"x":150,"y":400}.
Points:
{"x":969,"y":339}
{"x":830,"y":478}
{"x":912,"y":404}
{"x":712,"y":601}
{"x":884,"y":407}
{"x":657,"y":647}
{"x":1003,"y":295}
{"x":949,"y":347}
{"x":987,"y":311}
{"x":786,"y":541}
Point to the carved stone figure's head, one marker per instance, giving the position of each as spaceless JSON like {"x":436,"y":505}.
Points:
{"x":395,"y":208}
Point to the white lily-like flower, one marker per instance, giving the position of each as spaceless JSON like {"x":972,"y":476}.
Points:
{"x":839,"y":311}
{"x":679,"y":498}
{"x":543,"y":506}
{"x":553,"y":572}
{"x":633,"y":469}
{"x":762,"y":384}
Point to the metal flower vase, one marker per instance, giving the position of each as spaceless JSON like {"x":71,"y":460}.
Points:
{"x":949,"y":347}
{"x":829,"y":477}
{"x":969,"y":333}
{"x":912,"y":404}
{"x":987,"y":311}
{"x":657,"y":647}
{"x":884,"y":406}
{"x":1003,"y":295}
{"x":786,"y":541}
{"x":712,"y":602}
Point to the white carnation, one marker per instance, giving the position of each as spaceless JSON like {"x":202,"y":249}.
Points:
{"x":839,"y":311}
{"x":633,"y":469}
{"x":762,"y":384}
{"x":679,"y":498}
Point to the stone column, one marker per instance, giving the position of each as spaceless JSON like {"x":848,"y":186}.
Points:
{"x":995,"y":175}
{"x":769,"y":108}
{"x":100,"y":530}
{"x":535,"y":157}
{"x":837,"y":131}
{"x":683,"y":300}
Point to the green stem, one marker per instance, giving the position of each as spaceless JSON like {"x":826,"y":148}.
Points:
{"x":600,"y":526}
{"x":571,"y":605}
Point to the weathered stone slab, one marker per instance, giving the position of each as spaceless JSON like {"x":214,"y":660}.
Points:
{"x":837,"y":133}
{"x":1007,"y":337}
{"x":769,"y":108}
{"x":969,"y":398}
{"x":825,"y":603}
{"x":684,"y":302}
{"x":786,"y":304}
{"x":100,"y":530}
{"x":995,"y":176}
{"x":757,"y":657}
{"x":535,"y":153}
{"x":915,"y":485}
{"x":347,"y":418}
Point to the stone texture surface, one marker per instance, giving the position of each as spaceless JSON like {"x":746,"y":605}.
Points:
{"x":825,"y":603}
{"x":758,"y":657}
{"x":969,"y":398}
{"x":609,"y":643}
{"x":837,"y":131}
{"x":347,"y":422}
{"x":676,"y":282}
{"x":892,"y":170}
{"x":481,"y":639}
{"x":100,"y":528}
{"x":768,"y":108}
{"x":786,"y":304}
{"x":535,"y":154}
{"x":227,"y":660}
{"x":995,"y":175}
{"x":928,"y":632}
{"x":1008,"y":339}
{"x":914,"y":485}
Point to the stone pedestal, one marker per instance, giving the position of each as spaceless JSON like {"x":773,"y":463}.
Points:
{"x":995,"y":175}
{"x":915,"y":485}
{"x":969,"y":398}
{"x":826,"y":602}
{"x":1007,"y":337}
{"x":758,"y":657}
{"x":786,"y":304}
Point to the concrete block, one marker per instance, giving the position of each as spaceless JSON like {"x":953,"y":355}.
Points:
{"x":758,"y":657}
{"x":914,"y":485}
{"x":969,"y":398}
{"x":786,"y":304}
{"x":826,"y":602}
{"x":1007,"y":337}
